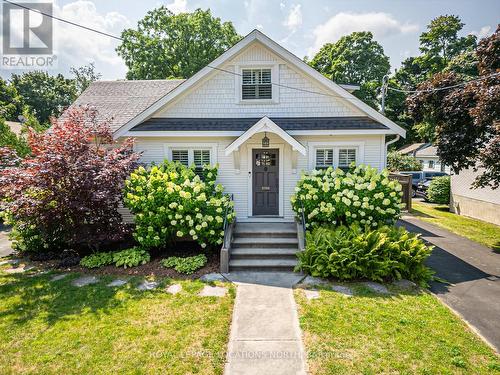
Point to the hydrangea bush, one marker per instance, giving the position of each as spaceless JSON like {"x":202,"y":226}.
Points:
{"x":334,"y":197}
{"x":170,"y":200}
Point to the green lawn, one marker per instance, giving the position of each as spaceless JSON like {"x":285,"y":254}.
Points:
{"x":56,"y":328}
{"x":476,"y":230}
{"x":407,"y":333}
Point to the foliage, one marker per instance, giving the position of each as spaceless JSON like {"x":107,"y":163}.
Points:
{"x":396,"y":161}
{"x":466,"y":118}
{"x":187,"y":265}
{"x":84,"y":76}
{"x":15,"y":142}
{"x":96,"y":260}
{"x":174,"y":46}
{"x":439,"y":190}
{"x":68,"y":191}
{"x":332,"y":197}
{"x":11,"y":102}
{"x":46,"y":95}
{"x":132,"y":257}
{"x":171,"y":200}
{"x":354,"y":58}
{"x":354,"y":252}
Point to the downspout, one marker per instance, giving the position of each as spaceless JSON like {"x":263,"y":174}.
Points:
{"x":386,"y":145}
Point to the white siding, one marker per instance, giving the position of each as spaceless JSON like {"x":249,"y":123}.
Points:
{"x":216,"y":95}
{"x":237,"y":183}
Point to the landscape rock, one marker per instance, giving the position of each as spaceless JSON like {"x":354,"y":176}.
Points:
{"x":311,"y":294}
{"x":376,"y":287}
{"x":10,"y":261}
{"x":212,"y":277}
{"x":404,"y":284}
{"x":147,"y":285}
{"x":117,"y":282}
{"x":312,"y":281}
{"x":345,"y":290}
{"x":19,"y":269}
{"x":85,"y":280}
{"x":174,"y":289}
{"x":213,"y":291}
{"x":59,"y":277}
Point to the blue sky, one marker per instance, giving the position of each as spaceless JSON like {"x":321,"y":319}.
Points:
{"x":300,"y":26}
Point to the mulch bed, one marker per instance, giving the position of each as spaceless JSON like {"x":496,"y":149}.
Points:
{"x":153,"y":268}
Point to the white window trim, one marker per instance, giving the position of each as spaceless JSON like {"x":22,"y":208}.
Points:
{"x":313,"y":146}
{"x":253,"y":65}
{"x":190,"y":146}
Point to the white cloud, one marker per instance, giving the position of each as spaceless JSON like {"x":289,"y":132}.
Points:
{"x":379,"y":23}
{"x":259,"y":26}
{"x":178,"y":6}
{"x":75,"y":46}
{"x":484,"y":32}
{"x":282,"y":5}
{"x":294,"y":18}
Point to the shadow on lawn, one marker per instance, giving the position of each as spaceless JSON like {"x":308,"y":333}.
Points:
{"x":38,"y":297}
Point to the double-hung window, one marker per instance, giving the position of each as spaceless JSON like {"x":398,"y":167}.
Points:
{"x":189,"y":156}
{"x":324,"y":158}
{"x":337,"y":157}
{"x":256,"y":84}
{"x":347,"y":156}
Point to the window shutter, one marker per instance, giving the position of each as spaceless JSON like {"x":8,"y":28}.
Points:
{"x":256,"y":84}
{"x":182,"y":156}
{"x":346,"y":157}
{"x":324,"y":158}
{"x":201,"y":157}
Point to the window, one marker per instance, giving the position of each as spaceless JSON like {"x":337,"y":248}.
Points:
{"x":431,"y":164}
{"x":189,"y":156}
{"x":256,"y":84}
{"x":324,"y":158}
{"x":346,"y":157}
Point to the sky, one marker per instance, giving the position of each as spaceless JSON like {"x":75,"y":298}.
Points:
{"x":301,"y":26}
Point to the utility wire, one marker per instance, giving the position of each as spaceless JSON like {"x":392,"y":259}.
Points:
{"x":443,"y":88}
{"x":63,"y":20}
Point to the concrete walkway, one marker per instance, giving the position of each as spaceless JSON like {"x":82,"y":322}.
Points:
{"x":5,"y":247}
{"x":473,"y":271}
{"x":265,"y":334}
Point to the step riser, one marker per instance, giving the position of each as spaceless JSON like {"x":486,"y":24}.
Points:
{"x":264,"y":257}
{"x":264,"y":235}
{"x":260,"y":269}
{"x":265,"y":245}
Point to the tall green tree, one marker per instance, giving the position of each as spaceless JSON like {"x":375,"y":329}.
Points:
{"x":11,"y":103}
{"x":166,"y":45}
{"x":44,"y":94}
{"x":354,"y":58}
{"x":84,"y":76}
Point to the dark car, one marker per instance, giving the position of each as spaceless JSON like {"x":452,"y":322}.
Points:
{"x":421,"y":190}
{"x":419,"y":177}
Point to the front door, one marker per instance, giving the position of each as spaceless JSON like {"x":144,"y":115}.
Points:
{"x":265,"y":181}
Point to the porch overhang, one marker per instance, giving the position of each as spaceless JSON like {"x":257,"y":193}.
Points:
{"x":265,"y":124}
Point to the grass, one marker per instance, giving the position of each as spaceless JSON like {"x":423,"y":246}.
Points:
{"x":409,"y":333}
{"x":56,"y":328}
{"x":476,"y":230}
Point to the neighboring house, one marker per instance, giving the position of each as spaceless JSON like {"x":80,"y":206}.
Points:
{"x":15,"y":127}
{"x":425,"y":153}
{"x":258,"y":111}
{"x":482,"y":203}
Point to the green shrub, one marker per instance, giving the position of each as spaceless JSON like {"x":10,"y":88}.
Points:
{"x":132,"y":257}
{"x":439,"y":190}
{"x":170,"y":200}
{"x":355,"y":252}
{"x":361,"y":195}
{"x":399,"y":162}
{"x":186,"y":265}
{"x":97,"y":260}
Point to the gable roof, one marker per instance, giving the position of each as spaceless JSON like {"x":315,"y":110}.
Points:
{"x":121,"y":101}
{"x":300,"y":65}
{"x":265,"y":125}
{"x":430,"y":151}
{"x":411,"y":148}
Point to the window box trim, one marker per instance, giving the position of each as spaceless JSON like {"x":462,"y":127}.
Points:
{"x":190,"y":146}
{"x":313,"y":146}
{"x":238,"y":83}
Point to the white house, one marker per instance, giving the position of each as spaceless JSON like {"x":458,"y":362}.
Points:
{"x":258,"y":111}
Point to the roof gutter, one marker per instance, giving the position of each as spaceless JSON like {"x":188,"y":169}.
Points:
{"x":398,"y":137}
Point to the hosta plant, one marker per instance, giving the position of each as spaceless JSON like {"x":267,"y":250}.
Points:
{"x":187,"y":265}
{"x":334,"y":197}
{"x":356,"y":252}
{"x":171,"y":201}
{"x":132,"y":257}
{"x":97,"y":260}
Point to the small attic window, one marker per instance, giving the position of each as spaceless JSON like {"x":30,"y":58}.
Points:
{"x":256,"y":84}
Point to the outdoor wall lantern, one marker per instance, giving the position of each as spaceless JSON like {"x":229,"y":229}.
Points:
{"x":265,"y":140}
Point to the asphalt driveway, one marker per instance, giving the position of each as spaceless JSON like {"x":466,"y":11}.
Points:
{"x":5,"y":248}
{"x":473,"y":273}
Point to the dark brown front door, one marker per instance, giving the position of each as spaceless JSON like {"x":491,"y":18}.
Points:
{"x":265,"y":181}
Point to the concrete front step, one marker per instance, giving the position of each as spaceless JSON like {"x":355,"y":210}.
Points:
{"x":263,"y":242}
{"x":253,"y":230}
{"x":263,"y":265}
{"x":259,"y":253}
